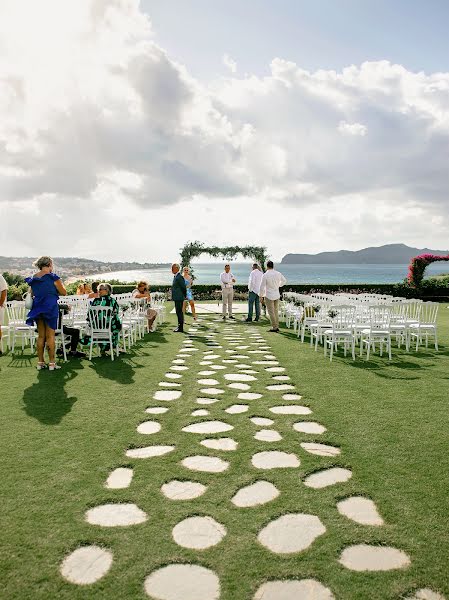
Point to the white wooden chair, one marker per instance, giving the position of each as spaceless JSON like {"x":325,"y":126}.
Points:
{"x":99,"y":327}
{"x":341,"y":330}
{"x":17,"y":327}
{"x":379,"y":330}
{"x":427,"y":324}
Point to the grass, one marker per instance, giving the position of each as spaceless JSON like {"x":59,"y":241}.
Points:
{"x":63,"y":432}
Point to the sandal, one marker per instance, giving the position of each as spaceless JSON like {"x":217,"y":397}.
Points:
{"x":53,"y":366}
{"x":40,"y":366}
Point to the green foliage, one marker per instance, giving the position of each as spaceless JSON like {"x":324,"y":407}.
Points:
{"x":12,"y":279}
{"x":16,"y":292}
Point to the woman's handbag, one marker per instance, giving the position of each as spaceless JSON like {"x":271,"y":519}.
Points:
{"x":28,"y":300}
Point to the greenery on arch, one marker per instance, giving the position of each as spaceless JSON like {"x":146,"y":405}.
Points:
{"x":418,"y":265}
{"x":194,"y":249}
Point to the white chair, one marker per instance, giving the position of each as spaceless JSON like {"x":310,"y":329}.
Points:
{"x":17,"y":327}
{"x":309,"y":319}
{"x":341,"y":331}
{"x":427,"y":324}
{"x":378,"y":331}
{"x":99,"y":328}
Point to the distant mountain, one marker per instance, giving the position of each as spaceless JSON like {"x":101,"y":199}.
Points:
{"x":389,"y":254}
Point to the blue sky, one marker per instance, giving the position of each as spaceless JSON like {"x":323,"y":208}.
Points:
{"x":316,"y":34}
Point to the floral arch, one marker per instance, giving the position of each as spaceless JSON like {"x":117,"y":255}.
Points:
{"x":418,"y":265}
{"x":194,"y":249}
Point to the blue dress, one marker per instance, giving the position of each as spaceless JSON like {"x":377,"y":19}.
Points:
{"x":189,"y":296}
{"x":45,"y":302}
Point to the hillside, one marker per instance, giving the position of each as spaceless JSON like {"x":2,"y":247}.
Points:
{"x":388,"y":254}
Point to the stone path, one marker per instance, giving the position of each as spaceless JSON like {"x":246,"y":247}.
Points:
{"x":231,"y":393}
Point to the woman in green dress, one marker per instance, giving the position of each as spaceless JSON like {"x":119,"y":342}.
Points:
{"x":105,"y":299}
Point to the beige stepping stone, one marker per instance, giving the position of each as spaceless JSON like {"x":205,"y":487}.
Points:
{"x":303,"y":589}
{"x":255,"y":494}
{"x":236,"y":409}
{"x":183,"y":582}
{"x":239,"y":377}
{"x":249,"y":396}
{"x":425,"y":594}
{"x":239,"y":386}
{"x":119,"y":478}
{"x":200,"y":412}
{"x":149,"y":427}
{"x":361,"y":510}
{"x":280,"y":387}
{"x":281,"y":378}
{"x":320,"y":449}
{"x":198,"y":533}
{"x":205,"y":362}
{"x":231,"y":351}
{"x":309,"y":427}
{"x":190,"y":349}
{"x":291,"y":533}
{"x":274,"y":459}
{"x":265,"y":362}
{"x":327,"y":477}
{"x":208,"y":382}
{"x":205,"y":373}
{"x":218,"y":367}
{"x":225,"y":444}
{"x":292,"y":409}
{"x":259,"y":352}
{"x":173,"y":375}
{"x":156,"y":410}
{"x":179,"y":361}
{"x":207,"y":464}
{"x":242,"y":366}
{"x":149,"y":451}
{"x":269,"y":356}
{"x":179,"y":368}
{"x":208,"y":427}
{"x":230,"y":361}
{"x":167,"y":395}
{"x":291,"y":397}
{"x":169,"y":384}
{"x":116,"y":515}
{"x":262,"y":421}
{"x":206,"y":400}
{"x":363,"y":557}
{"x":212,"y":356}
{"x":268,"y":435}
{"x":212,"y":391}
{"x":86,"y":565}
{"x":242,"y":347}
{"x":249,"y":372}
{"x":183,"y":490}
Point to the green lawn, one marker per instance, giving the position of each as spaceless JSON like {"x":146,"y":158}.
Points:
{"x":63,"y":432}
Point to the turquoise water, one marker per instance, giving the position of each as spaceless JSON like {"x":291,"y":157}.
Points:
{"x":209,"y":273}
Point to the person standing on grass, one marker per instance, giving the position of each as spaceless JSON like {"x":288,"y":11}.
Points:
{"x":227,"y":291}
{"x":255,"y":279}
{"x":178,"y":294}
{"x":189,"y":299}
{"x":269,"y":289}
{"x":3,"y":298}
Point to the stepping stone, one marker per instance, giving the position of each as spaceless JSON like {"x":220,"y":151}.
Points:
{"x":231,"y":351}
{"x":239,"y":386}
{"x":281,"y":378}
{"x":242,"y":347}
{"x":208,"y":427}
{"x":225,"y":444}
{"x":190,"y":349}
{"x":303,"y":589}
{"x":207,"y":464}
{"x":156,"y":410}
{"x":280,"y":387}
{"x":265,"y":362}
{"x":262,"y":421}
{"x":268,"y":435}
{"x":327,"y":477}
{"x":201,"y":412}
{"x":229,"y":360}
{"x":291,"y":533}
{"x":249,"y":372}
{"x":363,"y":557}
{"x":274,"y":459}
{"x":212,"y":356}
{"x":116,"y":515}
{"x":293,"y":409}
{"x":269,"y":356}
{"x":236,"y":409}
{"x":206,"y":400}
{"x":149,"y":427}
{"x":149,"y":451}
{"x":309,"y":427}
{"x":169,"y":384}
{"x":167,"y":395}
{"x":86,"y":565}
{"x":119,"y":479}
{"x":205,"y":362}
{"x":258,"y":352}
{"x":249,"y":396}
{"x":179,"y":368}
{"x":291,"y":397}
{"x":179,"y":361}
{"x":198,"y":533}
{"x":208,"y":382}
{"x":206,"y":373}
{"x":239,"y":377}
{"x":183,"y":582}
{"x":255,"y":494}
{"x":320,"y":449}
{"x":173,"y":375}
{"x":361,"y":510}
{"x":218,"y":367}
{"x":241,"y":357}
{"x":212,"y":391}
{"x":183,"y":490}
{"x":425,"y":594}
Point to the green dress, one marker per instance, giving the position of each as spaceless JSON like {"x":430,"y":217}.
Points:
{"x":116,"y":324}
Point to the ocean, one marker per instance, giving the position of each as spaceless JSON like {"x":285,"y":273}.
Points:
{"x":209,"y":273}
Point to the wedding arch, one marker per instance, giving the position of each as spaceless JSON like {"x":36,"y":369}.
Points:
{"x":194,"y":249}
{"x":418,"y":265}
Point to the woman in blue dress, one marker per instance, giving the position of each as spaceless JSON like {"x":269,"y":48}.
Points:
{"x":46,"y":287}
{"x":189,"y":298}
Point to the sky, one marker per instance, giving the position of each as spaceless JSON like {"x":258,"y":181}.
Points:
{"x":129,"y":128}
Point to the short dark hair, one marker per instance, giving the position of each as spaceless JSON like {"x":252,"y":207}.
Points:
{"x":270,"y":264}
{"x":95,"y":285}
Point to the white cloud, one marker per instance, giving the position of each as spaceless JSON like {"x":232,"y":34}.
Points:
{"x":229,"y":63}
{"x":103,"y":135}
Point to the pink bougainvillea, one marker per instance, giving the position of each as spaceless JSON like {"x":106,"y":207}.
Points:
{"x":418,"y":266}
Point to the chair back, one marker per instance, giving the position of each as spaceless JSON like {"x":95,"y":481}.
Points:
{"x":344,"y":319}
{"x":16,"y":312}
{"x":428,"y":313}
{"x":100,"y":321}
{"x":380,"y":316}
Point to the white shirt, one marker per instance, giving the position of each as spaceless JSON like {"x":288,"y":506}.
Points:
{"x":271,"y":282}
{"x":255,"y":278}
{"x":3,"y":287}
{"x":226,"y":280}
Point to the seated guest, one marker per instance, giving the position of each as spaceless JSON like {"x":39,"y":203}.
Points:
{"x":73,"y":332}
{"x":94,"y":293}
{"x":80,"y":290}
{"x":105,"y":299}
{"x":142,"y":291}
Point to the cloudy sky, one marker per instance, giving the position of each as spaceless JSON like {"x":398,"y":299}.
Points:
{"x":128,"y":128}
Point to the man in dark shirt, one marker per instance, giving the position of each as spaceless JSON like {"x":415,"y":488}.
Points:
{"x":178,"y":294}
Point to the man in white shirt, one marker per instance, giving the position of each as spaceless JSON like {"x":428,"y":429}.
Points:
{"x":3,"y":298}
{"x":269,"y":289}
{"x":227,"y":291}
{"x":255,"y":277}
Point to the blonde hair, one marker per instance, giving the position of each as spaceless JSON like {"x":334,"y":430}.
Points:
{"x":42,"y":261}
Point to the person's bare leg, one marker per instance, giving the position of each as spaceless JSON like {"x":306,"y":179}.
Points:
{"x":40,"y":344}
{"x":192,"y":308}
{"x":50,"y":343}
{"x":184,"y":306}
